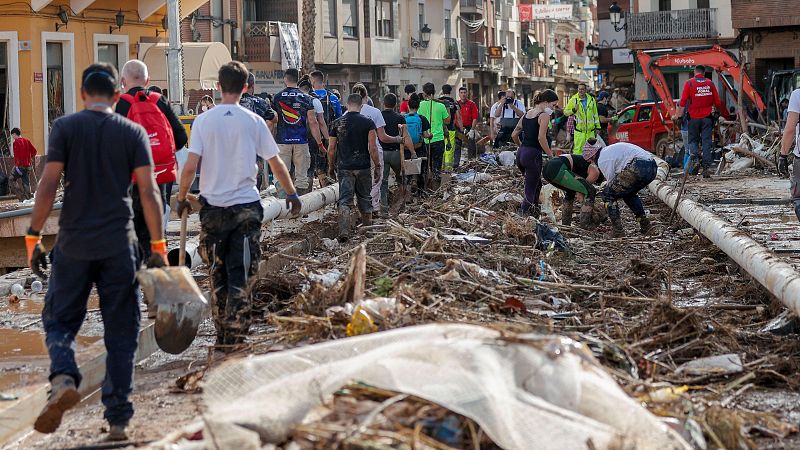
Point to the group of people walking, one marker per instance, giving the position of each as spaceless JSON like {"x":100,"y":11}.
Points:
{"x":117,"y":160}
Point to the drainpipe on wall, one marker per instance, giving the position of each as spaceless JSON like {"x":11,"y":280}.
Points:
{"x":175,"y":58}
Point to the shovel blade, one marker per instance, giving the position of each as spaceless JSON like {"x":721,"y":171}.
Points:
{"x":179,"y":305}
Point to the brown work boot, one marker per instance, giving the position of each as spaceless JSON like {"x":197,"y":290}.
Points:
{"x":63,"y":396}
{"x":617,"y":230}
{"x":566,"y":214}
{"x":644,"y":224}
{"x":585,"y":220}
{"x":344,"y":224}
{"x":366,"y":219}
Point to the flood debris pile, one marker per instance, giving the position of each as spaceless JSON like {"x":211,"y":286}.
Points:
{"x":668,"y":316}
{"x":752,"y":152}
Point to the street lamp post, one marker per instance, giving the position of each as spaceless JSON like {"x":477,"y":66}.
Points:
{"x":616,"y":16}
{"x":553,"y":63}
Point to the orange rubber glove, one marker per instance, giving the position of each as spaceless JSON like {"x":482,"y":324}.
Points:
{"x":37,"y":255}
{"x":158,"y":250}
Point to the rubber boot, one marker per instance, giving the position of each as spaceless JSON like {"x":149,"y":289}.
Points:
{"x":586,"y":218}
{"x":644,"y":224}
{"x":566,"y":214}
{"x":63,"y":396}
{"x":344,"y":224}
{"x":617,"y":230}
{"x":706,"y":172}
{"x":366,"y":219}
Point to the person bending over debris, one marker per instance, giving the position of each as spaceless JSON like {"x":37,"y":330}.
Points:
{"x":229,"y":138}
{"x":628,"y":169}
{"x":97,"y":151}
{"x":355,"y":137}
{"x":533,"y":128}
{"x":24,"y":159}
{"x":791,"y":133}
{"x":575,"y":176}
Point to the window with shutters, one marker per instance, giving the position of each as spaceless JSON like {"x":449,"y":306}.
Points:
{"x":329,"y":27}
{"x":383,"y":18}
{"x":447,"y":31}
{"x":350,"y":18}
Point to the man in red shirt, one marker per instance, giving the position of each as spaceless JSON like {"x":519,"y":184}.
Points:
{"x":409,"y":89}
{"x":700,"y":95}
{"x":469,"y":118}
{"x":24,"y":155}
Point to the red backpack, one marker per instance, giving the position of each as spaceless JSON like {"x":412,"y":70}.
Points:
{"x":144,"y":111}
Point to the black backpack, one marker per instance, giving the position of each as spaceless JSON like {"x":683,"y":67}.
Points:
{"x":452,"y":107}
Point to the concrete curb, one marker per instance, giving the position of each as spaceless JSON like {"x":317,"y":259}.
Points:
{"x":18,"y":417}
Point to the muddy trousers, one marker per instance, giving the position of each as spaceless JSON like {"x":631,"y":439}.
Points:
{"x":634,"y":177}
{"x":298,"y":155}
{"x":22,"y":174}
{"x":795,"y":189}
{"x":64,"y":310}
{"x":529,"y":161}
{"x":230,"y":237}
{"x":700,"y":137}
{"x":391,"y":160}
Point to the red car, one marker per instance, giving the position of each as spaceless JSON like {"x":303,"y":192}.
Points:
{"x":643,"y":125}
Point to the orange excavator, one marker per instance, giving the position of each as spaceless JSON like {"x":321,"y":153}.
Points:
{"x":716,"y":58}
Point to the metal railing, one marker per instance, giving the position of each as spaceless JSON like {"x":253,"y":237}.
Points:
{"x":669,"y":25}
{"x":474,"y":54}
{"x":256,"y":40}
{"x":473,"y":4}
{"x":451,"y":48}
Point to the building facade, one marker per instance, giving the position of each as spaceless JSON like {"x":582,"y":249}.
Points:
{"x":46,"y":45}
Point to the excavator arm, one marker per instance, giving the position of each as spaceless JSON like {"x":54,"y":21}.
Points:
{"x":715,"y":57}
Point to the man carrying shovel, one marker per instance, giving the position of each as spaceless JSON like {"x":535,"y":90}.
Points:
{"x":229,"y":138}
{"x":97,"y":151}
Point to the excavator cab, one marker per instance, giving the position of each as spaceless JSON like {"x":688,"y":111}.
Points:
{"x":780,"y":85}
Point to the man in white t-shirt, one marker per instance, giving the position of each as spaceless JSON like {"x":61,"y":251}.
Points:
{"x":375,"y":115}
{"x":229,"y":138}
{"x":628,"y":169}
{"x":791,"y":134}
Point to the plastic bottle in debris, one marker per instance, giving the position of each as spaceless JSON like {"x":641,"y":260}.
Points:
{"x":360,"y":323}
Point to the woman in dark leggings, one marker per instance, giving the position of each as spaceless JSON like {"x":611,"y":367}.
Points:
{"x":575,"y":176}
{"x":533,"y":128}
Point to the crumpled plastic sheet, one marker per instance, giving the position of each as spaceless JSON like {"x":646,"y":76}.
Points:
{"x":538,"y":392}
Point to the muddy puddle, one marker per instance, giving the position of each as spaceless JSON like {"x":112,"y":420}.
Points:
{"x":16,"y":344}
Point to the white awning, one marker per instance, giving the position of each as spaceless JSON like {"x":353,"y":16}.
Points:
{"x":201,"y":62}
{"x":144,"y":8}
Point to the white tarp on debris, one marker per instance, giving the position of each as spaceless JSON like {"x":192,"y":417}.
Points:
{"x":527,"y":392}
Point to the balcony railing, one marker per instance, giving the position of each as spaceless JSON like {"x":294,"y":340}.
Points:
{"x":670,"y":25}
{"x":471,"y":6}
{"x":451,"y":48}
{"x":474,"y":54}
{"x":256,"y":40}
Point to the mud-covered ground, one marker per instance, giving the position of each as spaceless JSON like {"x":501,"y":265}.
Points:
{"x":668,"y":298}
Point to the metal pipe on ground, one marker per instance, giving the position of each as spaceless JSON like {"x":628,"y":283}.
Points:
{"x":275,"y":208}
{"x":779,"y":277}
{"x":193,"y":258}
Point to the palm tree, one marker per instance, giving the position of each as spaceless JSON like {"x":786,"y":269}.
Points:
{"x":309,"y":23}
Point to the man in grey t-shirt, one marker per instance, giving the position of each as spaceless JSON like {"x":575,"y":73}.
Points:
{"x":791,"y":134}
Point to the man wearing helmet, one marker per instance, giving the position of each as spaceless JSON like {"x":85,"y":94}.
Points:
{"x":628,"y":169}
